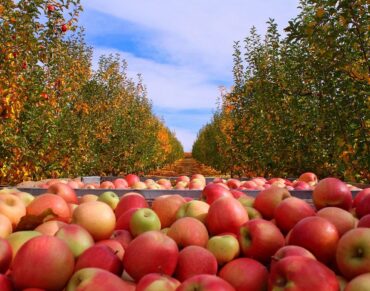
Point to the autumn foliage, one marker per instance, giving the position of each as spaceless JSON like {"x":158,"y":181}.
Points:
{"x":300,"y":102}
{"x":58,"y":116}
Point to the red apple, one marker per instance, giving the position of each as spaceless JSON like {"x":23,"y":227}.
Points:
{"x":64,"y":191}
{"x":165,"y":183}
{"x":132,"y":179}
{"x":342,"y":219}
{"x":259,"y":239}
{"x":205,"y":283}
{"x":291,"y":210}
{"x":151,"y":252}
{"x":216,"y":220}
{"x":267,"y":200}
{"x":245,"y":274}
{"x":128,"y":201}
{"x":155,"y":281}
{"x":363,"y":207}
{"x":188,"y":231}
{"x":19,"y":238}
{"x":50,"y":227}
{"x":123,"y":222}
{"x":287,"y":251}
{"x":166,"y":207}
{"x":6,"y":255}
{"x":102,"y":257}
{"x":308,"y":177}
{"x":124,"y":237}
{"x":237,"y":194}
{"x":115,"y":245}
{"x":195,"y":260}
{"x":332,"y":192}
{"x":120,"y":183}
{"x":353,"y":252}
{"x":5,"y":283}
{"x":359,"y":196}
{"x":364,"y":221}
{"x":183,"y":179}
{"x":212,"y":192}
{"x":302,"y":273}
{"x":233,"y":183}
{"x":301,"y":185}
{"x":317,"y":235}
{"x":107,"y":185}
{"x":195,"y":208}
{"x":43,"y":262}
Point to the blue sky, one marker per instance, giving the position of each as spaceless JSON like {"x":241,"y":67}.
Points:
{"x":183,"y":49}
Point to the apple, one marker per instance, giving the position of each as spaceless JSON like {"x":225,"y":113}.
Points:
{"x":259,"y":239}
{"x":110,"y":198}
{"x":342,"y":219}
{"x":156,"y":281}
{"x":199,"y":177}
{"x":205,"y":282}
{"x":87,"y":197}
{"x":12,"y":207}
{"x":25,"y":197}
{"x":165,"y":183}
{"x":236,"y":193}
{"x":124,"y":237}
{"x":6,"y":255}
{"x":92,"y":279}
{"x":50,"y":227}
{"x":132,"y":179}
{"x":128,"y":201}
{"x":309,"y":178}
{"x":102,"y":257}
{"x":107,"y":185}
{"x":142,"y":220}
{"x":19,"y":238}
{"x":253,"y":213}
{"x":115,"y":245}
{"x":302,"y":273}
{"x":6,"y":227}
{"x":123,"y":222}
{"x":359,"y":283}
{"x":301,"y":185}
{"x":151,"y":252}
{"x":267,"y":200}
{"x":77,"y":238}
{"x":318,"y":235}
{"x":74,"y":184}
{"x":233,"y":183}
{"x":226,"y":214}
{"x":97,"y":218}
{"x":188,"y":231}
{"x":183,"y":178}
{"x":120,"y":183}
{"x":51,"y":8}
{"x":364,"y":221}
{"x":249,"y":184}
{"x":359,"y":196}
{"x":235,"y":272}
{"x":246,"y":200}
{"x":291,"y":210}
{"x":166,"y":207}
{"x":64,"y":191}
{"x":332,"y":192}
{"x":43,"y":262}
{"x":64,"y":28}
{"x":196,"y":209}
{"x":224,"y":247}
{"x":353,"y":252}
{"x":139,"y":186}
{"x":5,"y":283}
{"x":194,"y":260}
{"x":363,"y":207}
{"x":287,"y":251}
{"x":47,"y":201}
{"x":212,"y":192}
{"x":196,"y":184}
{"x":181,"y":185}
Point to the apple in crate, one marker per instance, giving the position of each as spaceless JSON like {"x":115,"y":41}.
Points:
{"x":6,"y":227}
{"x":205,"y":282}
{"x":359,"y":283}
{"x":12,"y":207}
{"x":110,"y":198}
{"x":156,"y":281}
{"x":128,"y":201}
{"x":224,"y":247}
{"x":142,"y":220}
{"x":65,"y":191}
{"x":6,"y":255}
{"x":196,"y":209}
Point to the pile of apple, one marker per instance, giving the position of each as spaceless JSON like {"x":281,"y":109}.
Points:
{"x":226,"y":240}
{"x":306,"y":181}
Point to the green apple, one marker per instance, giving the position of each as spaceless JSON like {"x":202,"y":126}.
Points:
{"x":224,"y":247}
{"x":195,"y":208}
{"x":359,"y":283}
{"x":77,"y":238}
{"x":18,"y":238}
{"x":110,"y":198}
{"x":144,"y":219}
{"x":253,"y":213}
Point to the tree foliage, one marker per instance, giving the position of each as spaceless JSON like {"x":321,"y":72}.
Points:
{"x":300,"y":102}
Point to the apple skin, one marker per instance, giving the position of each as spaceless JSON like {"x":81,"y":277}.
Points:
{"x":224,"y":247}
{"x":6,"y":255}
{"x":302,"y":273}
{"x":317,"y":235}
{"x":233,"y":183}
{"x":50,"y":227}
{"x":253,"y":213}
{"x":156,"y":281}
{"x":166,"y":207}
{"x":205,"y":282}
{"x":123,"y":222}
{"x":87,"y":197}
{"x":128,"y":201}
{"x":94,"y":279}
{"x":151,"y":252}
{"x":212,"y":192}
{"x":246,"y":201}
{"x":259,"y":239}
{"x":77,"y":238}
{"x":195,"y":260}
{"x":267,"y":200}
{"x":359,"y":283}
{"x":291,"y":210}
{"x":332,"y":192}
{"x":43,"y":262}
{"x":342,"y":219}
{"x":132,"y":179}
{"x":364,"y":221}
{"x":308,"y":177}
{"x":120,"y":183}
{"x":142,"y":220}
{"x":245,"y":274}
{"x":25,"y":197}
{"x":6,"y":227}
{"x":196,"y":209}
{"x":12,"y":207}
{"x":19,"y":238}
{"x":107,"y":185}
{"x":188,"y":231}
{"x":65,"y":191}
{"x":359,"y":196}
{"x":287,"y":251}
{"x":353,"y":252}
{"x":217,"y":222}
{"x":97,"y":218}
{"x":102,"y":257}
{"x":363,"y":207}
{"x":6,"y":283}
{"x":124,"y":237}
{"x":110,"y":198}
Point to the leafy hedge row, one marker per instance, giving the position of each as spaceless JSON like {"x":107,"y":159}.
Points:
{"x":300,"y":102}
{"x":58,"y":117}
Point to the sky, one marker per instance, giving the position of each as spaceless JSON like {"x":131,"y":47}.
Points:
{"x":183,"y":49}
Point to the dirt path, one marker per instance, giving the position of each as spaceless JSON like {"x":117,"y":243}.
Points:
{"x":186,"y":166}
